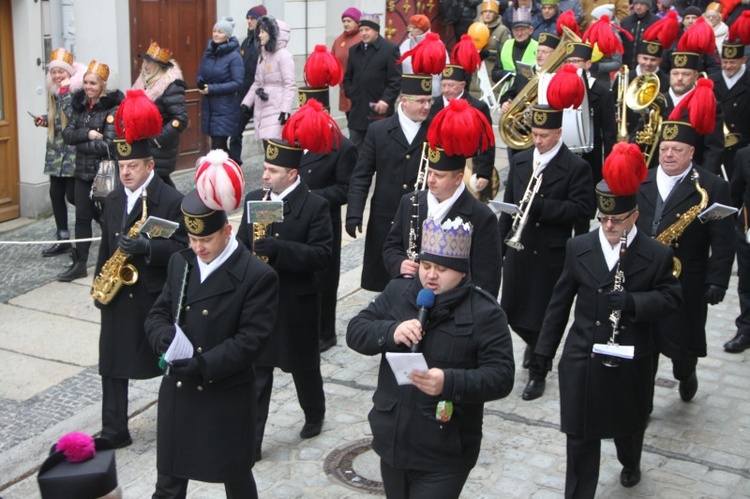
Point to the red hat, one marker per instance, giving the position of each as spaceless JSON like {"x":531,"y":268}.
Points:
{"x":137,"y":120}
{"x":219,"y":181}
{"x":601,"y":34}
{"x":698,"y":38}
{"x":460,"y":130}
{"x":322,"y":69}
{"x":428,"y":56}
{"x":698,"y":107}
{"x":623,"y":172}
{"x":466,"y":55}
{"x":665,"y":30}
{"x":312,"y":128}
{"x":740,"y":29}
{"x":566,"y":88}
{"x":420,"y":21}
{"x":568,"y":19}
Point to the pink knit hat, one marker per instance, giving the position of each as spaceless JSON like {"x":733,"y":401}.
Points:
{"x":353,"y":13}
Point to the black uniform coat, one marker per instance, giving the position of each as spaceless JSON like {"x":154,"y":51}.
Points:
{"x":602,"y":106}
{"x":485,"y":240}
{"x":206,"y":432}
{"x":565,"y":197}
{"x":705,"y":250}
{"x":371,"y":75}
{"x":735,"y":106}
{"x":304,"y":244}
{"x":396,"y":162}
{"x":484,"y":163}
{"x":597,"y":401}
{"x":327,"y":175}
{"x":123,"y":349}
{"x":471,"y":344}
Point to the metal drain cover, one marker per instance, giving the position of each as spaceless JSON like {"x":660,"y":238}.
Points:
{"x":355,"y":465}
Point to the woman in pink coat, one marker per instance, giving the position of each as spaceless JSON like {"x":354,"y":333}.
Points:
{"x":274,"y":89}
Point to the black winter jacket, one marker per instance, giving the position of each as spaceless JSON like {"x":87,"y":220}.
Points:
{"x":250,"y":53}
{"x":166,"y":145}
{"x":100,"y":118}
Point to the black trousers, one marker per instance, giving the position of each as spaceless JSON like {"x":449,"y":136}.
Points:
{"x":170,"y":487}
{"x":86,"y":211}
{"x":530,"y":337}
{"x":416,"y":484}
{"x":60,"y":189}
{"x":329,"y":286}
{"x":743,"y":282}
{"x":115,"y":409}
{"x":220,"y":142}
{"x":358,"y":137}
{"x":235,"y":142}
{"x":582,"y":473}
{"x":309,"y":386}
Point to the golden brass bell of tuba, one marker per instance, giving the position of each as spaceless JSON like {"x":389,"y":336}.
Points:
{"x":730,"y":139}
{"x":643,"y":96}
{"x":515,"y":125}
{"x":116,"y":272}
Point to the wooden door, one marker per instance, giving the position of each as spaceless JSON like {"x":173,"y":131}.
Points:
{"x":184,"y":27}
{"x":9,"y":208}
{"x":398,"y":13}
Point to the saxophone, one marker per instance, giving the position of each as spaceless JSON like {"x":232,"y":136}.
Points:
{"x":670,"y":235}
{"x":259,"y":229}
{"x":116,"y":271}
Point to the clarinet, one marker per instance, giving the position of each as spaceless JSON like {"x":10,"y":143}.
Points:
{"x":615,"y":315}
{"x":412,"y":251}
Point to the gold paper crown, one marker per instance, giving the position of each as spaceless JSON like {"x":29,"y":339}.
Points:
{"x":61,"y":55}
{"x":99,"y":69}
{"x":159,"y":54}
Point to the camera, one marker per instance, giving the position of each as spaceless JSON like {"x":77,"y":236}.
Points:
{"x":262,"y":94}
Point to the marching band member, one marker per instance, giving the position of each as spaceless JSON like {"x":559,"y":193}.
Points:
{"x":616,"y":270}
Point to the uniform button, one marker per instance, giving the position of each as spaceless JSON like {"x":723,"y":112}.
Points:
{"x":678,"y":215}
{"x":622,"y":328}
{"x":598,"y":323}
{"x":200,"y":388}
{"x":599,"y":290}
{"x":593,"y":355}
{"x":536,"y":224}
{"x":199,"y":350}
{"x":381,"y":341}
{"x":734,"y":105}
{"x":117,"y":234}
{"x":210,"y":381}
{"x":130,"y":295}
{"x":276,"y":235}
{"x":404,"y":186}
{"x":535,"y":252}
{"x":179,"y":384}
{"x":187,"y":309}
{"x":205,"y":312}
{"x":408,"y":156}
{"x":309,"y":171}
{"x":541,"y":195}
{"x":676,"y":245}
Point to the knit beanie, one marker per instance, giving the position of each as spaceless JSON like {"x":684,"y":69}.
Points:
{"x":693,"y":11}
{"x":647,"y":2}
{"x":225,"y":24}
{"x":352,"y":13}
{"x":257,"y":12}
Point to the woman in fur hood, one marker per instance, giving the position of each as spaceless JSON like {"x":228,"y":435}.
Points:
{"x":161,"y":80}
{"x":274,"y":90}
{"x":64,"y":77}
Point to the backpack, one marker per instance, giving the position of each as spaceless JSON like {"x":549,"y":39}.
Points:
{"x":450,"y":10}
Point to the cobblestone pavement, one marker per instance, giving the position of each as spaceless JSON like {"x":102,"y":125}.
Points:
{"x":697,"y":449}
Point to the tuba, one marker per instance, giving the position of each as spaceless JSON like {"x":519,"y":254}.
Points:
{"x":643,"y":96}
{"x":730,"y":139}
{"x":515,"y":125}
{"x":520,"y":219}
{"x":670,"y":235}
{"x":116,"y":271}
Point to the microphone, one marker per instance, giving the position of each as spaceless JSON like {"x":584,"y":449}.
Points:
{"x":425,"y":301}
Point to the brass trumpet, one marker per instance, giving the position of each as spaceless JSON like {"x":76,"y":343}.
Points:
{"x":520,"y":219}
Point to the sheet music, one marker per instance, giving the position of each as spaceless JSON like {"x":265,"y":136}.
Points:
{"x":402,"y":364}
{"x":180,"y":348}
{"x":621,"y":351}
{"x":509,"y":208}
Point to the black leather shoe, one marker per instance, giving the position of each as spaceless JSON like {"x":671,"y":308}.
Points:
{"x":56,"y":249}
{"x":76,"y":271}
{"x":689,"y":387}
{"x":311,"y":430}
{"x":119,"y":443}
{"x":326,"y":344}
{"x":534,"y":389}
{"x":738,"y":344}
{"x":629,"y":477}
{"x":527,"y":357}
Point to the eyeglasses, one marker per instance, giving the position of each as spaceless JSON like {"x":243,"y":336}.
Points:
{"x":614,"y":220}
{"x":574,"y":60}
{"x":421,"y":102}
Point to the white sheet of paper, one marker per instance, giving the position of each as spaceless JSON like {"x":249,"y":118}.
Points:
{"x":180,"y":348}
{"x":509,"y":208}
{"x":621,"y":351}
{"x":716,"y":211}
{"x":402,"y":364}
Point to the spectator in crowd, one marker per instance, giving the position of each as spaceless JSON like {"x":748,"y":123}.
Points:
{"x":712,"y":15}
{"x":341,"y":46}
{"x":499,"y":33}
{"x":419,"y":26}
{"x":520,"y":48}
{"x":622,"y":10}
{"x":546,"y":20}
{"x":635,"y":24}
{"x":603,"y":68}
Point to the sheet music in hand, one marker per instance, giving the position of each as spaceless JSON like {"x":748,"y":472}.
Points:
{"x":180,"y":348}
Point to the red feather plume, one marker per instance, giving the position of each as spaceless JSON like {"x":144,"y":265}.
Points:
{"x":740,"y":29}
{"x":312,"y":128}
{"x":137,"y":117}
{"x":600,"y":33}
{"x":665,"y":30}
{"x":568,"y":19}
{"x":461,"y":130}
{"x":466,"y":55}
{"x":428,"y":56}
{"x":698,"y":38}
{"x":699,"y":106}
{"x":624,"y":169}
{"x":322,"y":68}
{"x":566,"y":88}
{"x":727,"y":6}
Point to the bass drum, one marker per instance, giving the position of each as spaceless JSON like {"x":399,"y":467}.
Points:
{"x":488,"y":193}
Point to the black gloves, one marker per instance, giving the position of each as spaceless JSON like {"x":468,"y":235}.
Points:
{"x":165,"y":341}
{"x":246,"y":111}
{"x":201,"y":84}
{"x":352,"y":225}
{"x":262,"y":94}
{"x":620,"y":300}
{"x":283,"y":117}
{"x":714,"y":294}
{"x":187,"y":369}
{"x":266,"y":246}
{"x":484,"y":54}
{"x":140,"y":245}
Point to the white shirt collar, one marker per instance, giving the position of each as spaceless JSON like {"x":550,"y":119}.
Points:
{"x":639,"y":71}
{"x":445,"y":101}
{"x":206,"y":269}
{"x":730,"y":82}
{"x":675,"y":98}
{"x":666,"y":183}
{"x":437,"y":209}
{"x":134,"y":196}
{"x":409,"y":127}
{"x":285,"y":192}
{"x":612,"y":255}
{"x":542,"y":160}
